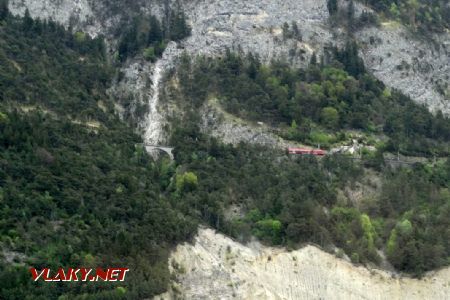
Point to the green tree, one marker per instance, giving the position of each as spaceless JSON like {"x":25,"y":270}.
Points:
{"x":369,"y":231}
{"x":149,"y":54}
{"x":269,"y":229}
{"x":4,"y":11}
{"x":155,"y":33}
{"x":80,"y":37}
{"x":3,"y":118}
{"x":313,"y":60}
{"x":351,"y":15}
{"x":392,"y":243}
{"x":413,"y":6}
{"x":178,"y":29}
{"x":329,"y":116}
{"x":128,"y":45}
{"x":296,"y":31}
{"x":294,"y":125}
{"x":27,"y":21}
{"x":286,"y":31}
{"x":186,"y":182}
{"x":332,"y":6}
{"x":404,"y":227}
{"x":393,"y":10}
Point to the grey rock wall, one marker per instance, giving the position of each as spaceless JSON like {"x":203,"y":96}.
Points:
{"x":416,"y":67}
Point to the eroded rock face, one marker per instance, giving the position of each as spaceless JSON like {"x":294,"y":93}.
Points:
{"x":417,"y":68}
{"x":216,"y":267}
{"x":60,"y":11}
{"x":67,"y":12}
{"x":256,"y":26}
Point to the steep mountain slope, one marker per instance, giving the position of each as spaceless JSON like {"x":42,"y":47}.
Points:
{"x":401,"y":60}
{"x":145,"y":204}
{"x":75,"y":186}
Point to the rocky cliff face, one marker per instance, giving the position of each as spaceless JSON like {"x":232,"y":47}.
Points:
{"x":216,"y":267}
{"x":78,"y":12}
{"x":418,"y":68}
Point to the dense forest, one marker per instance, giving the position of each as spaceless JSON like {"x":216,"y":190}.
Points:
{"x":294,"y":201}
{"x":76,"y":189}
{"x":291,"y":201}
{"x":318,"y":104}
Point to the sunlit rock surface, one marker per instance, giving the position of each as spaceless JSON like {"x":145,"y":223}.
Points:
{"x":216,"y":267}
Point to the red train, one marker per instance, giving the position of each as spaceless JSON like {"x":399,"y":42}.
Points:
{"x":303,"y":151}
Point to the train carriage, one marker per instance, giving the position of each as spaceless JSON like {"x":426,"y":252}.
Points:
{"x":304,"y":151}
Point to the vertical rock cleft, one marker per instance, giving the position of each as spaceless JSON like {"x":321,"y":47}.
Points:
{"x":155,"y":119}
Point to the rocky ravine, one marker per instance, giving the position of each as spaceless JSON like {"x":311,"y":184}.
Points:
{"x":216,"y":267}
{"x":418,"y":68}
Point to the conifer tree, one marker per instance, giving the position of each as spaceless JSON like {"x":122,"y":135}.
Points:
{"x":332,"y":7}
{"x":27,"y":21}
{"x":155,"y":33}
{"x":313,"y":60}
{"x":3,"y":9}
{"x":351,"y":15}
